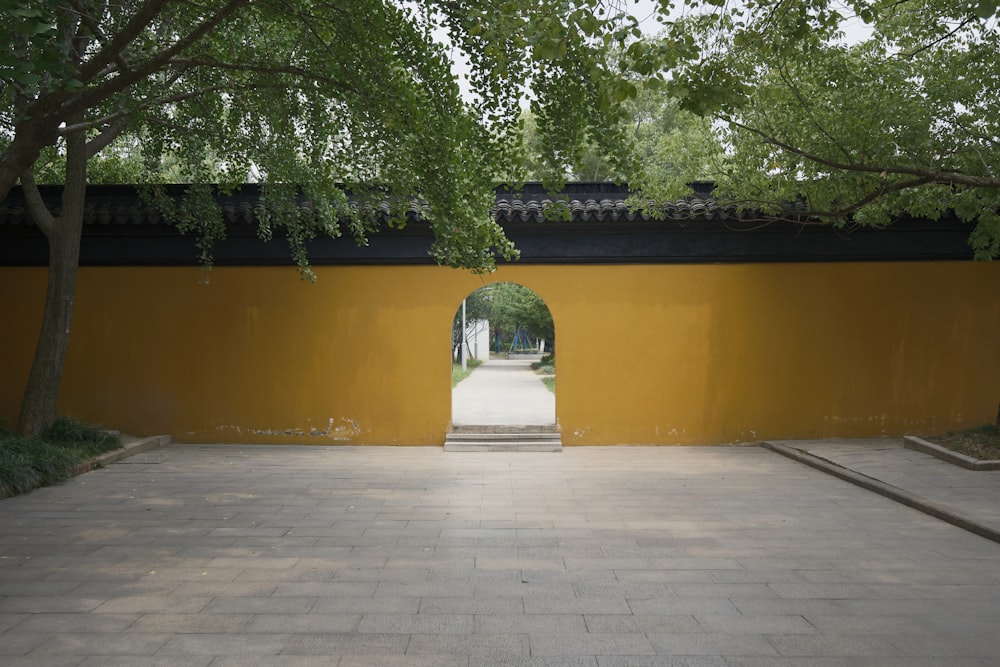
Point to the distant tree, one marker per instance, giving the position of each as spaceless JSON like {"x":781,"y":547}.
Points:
{"x":510,"y":307}
{"x":672,"y":146}
{"x":535,"y":317}
{"x":664,"y":144}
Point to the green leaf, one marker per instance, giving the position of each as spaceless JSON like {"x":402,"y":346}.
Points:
{"x":986,"y":9}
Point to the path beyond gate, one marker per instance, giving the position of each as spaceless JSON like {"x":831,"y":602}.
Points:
{"x":503,"y":406}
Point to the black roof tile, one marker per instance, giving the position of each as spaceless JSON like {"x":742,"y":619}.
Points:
{"x":591,"y":223}
{"x":585,"y":202}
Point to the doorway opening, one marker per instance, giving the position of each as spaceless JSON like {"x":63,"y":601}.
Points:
{"x":503,"y":372}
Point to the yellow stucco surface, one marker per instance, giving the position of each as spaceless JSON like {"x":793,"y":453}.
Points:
{"x":647,"y":354}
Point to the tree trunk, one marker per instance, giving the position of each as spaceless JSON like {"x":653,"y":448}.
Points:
{"x":38,"y":405}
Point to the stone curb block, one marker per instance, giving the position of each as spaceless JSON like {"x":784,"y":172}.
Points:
{"x":133,"y":448}
{"x":895,"y":493}
{"x":130,"y":449}
{"x":945,"y":454}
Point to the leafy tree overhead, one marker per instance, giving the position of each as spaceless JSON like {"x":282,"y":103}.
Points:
{"x":306,"y":95}
{"x":899,"y":115}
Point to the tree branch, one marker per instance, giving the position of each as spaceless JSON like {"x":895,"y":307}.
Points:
{"x":87,"y":20}
{"x":93,"y":96}
{"x":79,"y":41}
{"x":805,"y":105}
{"x":267,"y":69}
{"x":113,"y":49}
{"x":36,"y":205}
{"x":794,"y":214}
{"x":937,"y":41}
{"x":942,"y":177}
{"x":107,"y":135}
{"x":877,"y":194}
{"x":118,"y":116}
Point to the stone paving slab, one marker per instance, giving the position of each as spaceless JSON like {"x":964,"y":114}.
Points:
{"x":968,"y":498}
{"x":605,"y":557}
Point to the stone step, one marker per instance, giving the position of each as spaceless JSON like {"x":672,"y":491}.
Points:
{"x":503,"y":446}
{"x":503,"y":428}
{"x":503,"y":439}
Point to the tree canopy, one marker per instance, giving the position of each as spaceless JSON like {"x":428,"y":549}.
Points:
{"x":899,"y":115}
{"x":316,"y":99}
{"x":319,"y":99}
{"x":320,"y":95}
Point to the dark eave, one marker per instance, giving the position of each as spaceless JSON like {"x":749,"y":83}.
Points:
{"x":600,"y":228}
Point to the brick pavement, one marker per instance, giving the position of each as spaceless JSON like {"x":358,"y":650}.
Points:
{"x":697,"y":556}
{"x":965,"y":497}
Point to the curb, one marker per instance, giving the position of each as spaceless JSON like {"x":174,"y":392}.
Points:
{"x":130,"y":449}
{"x":895,"y":493}
{"x":945,"y":454}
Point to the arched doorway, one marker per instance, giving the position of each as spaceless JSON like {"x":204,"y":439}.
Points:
{"x":503,"y":396}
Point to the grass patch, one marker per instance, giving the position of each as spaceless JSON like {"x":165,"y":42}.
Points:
{"x":457,"y":374}
{"x":53,"y":457}
{"x":546,"y":367}
{"x":981,"y":443}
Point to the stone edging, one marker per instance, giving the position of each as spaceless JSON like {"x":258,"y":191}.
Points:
{"x":130,"y":449}
{"x":945,"y":454}
{"x":901,"y":496}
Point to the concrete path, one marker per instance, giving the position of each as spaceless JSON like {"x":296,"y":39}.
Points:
{"x":503,"y":392}
{"x":696,"y":556}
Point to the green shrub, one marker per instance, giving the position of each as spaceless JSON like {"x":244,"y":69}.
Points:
{"x":55,"y":456}
{"x":547,"y":362}
{"x":66,"y":432}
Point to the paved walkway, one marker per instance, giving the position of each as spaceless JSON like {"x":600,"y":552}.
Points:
{"x":503,"y":392}
{"x":965,"y":497}
{"x":696,"y":556}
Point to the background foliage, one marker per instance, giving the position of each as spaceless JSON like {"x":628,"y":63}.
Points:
{"x":509,"y":307}
{"x":349,"y":106}
{"x":900,"y":115}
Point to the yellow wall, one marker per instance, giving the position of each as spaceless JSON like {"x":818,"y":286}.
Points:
{"x":652,"y":354}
